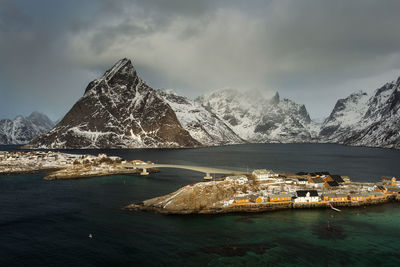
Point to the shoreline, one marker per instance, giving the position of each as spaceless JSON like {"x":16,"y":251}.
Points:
{"x":263,"y":207}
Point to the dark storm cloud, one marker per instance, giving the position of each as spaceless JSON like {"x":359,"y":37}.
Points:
{"x":311,"y":51}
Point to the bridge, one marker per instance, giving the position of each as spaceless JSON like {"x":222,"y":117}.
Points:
{"x":206,"y":170}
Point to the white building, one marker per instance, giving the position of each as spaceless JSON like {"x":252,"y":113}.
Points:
{"x":307,"y":196}
{"x":264,"y":175}
{"x":239,"y":179}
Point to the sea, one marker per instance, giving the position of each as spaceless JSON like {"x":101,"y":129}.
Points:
{"x":81,"y":222}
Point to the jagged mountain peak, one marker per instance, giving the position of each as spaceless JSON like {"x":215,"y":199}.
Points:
{"x":118,"y":110}
{"x":275,"y":99}
{"x":121,"y":75}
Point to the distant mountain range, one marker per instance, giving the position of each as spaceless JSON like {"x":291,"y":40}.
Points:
{"x":22,"y":129}
{"x":120,"y":110}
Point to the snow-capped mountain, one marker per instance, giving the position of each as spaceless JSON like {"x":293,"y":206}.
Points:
{"x":203,"y":125}
{"x":119,"y":110}
{"x":360,"y":120}
{"x":345,"y":117}
{"x":21,"y":130}
{"x":380,"y":125}
{"x":259,"y":119}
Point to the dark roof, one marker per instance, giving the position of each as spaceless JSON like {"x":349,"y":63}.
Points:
{"x":312,"y":174}
{"x":301,"y":173}
{"x":302,"y":179}
{"x":380,"y":187}
{"x":337,"y":178}
{"x":333,"y":183}
{"x":317,"y":180}
{"x":303,"y":193}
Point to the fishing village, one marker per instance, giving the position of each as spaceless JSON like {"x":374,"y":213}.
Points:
{"x":265,"y":190}
{"x":235,"y":191}
{"x":59,"y":165}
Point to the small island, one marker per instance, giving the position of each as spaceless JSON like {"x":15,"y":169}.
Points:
{"x":264,"y":190}
{"x":59,"y":165}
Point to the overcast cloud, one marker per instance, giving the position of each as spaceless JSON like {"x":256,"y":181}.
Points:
{"x":312,"y":52}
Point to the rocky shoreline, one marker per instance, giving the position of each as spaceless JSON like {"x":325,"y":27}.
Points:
{"x":214,"y":198}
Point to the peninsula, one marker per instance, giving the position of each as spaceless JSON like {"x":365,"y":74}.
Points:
{"x":69,"y":166}
{"x":264,"y":190}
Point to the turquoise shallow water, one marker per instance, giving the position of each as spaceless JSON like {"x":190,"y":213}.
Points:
{"x":47,"y":223}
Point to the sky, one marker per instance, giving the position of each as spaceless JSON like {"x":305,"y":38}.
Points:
{"x":310,"y":51}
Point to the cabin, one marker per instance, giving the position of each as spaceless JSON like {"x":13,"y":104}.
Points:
{"x":279,"y":197}
{"x":306,"y":196}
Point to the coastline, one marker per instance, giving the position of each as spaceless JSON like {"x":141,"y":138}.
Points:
{"x":265,"y":207}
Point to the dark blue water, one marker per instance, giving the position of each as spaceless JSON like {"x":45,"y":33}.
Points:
{"x":47,"y":223}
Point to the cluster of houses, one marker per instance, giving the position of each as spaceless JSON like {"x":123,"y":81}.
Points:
{"x":310,"y":187}
{"x":37,"y":160}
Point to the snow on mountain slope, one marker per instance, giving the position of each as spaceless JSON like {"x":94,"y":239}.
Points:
{"x":380,"y":125}
{"x":203,"y":125}
{"x":21,"y":130}
{"x":345,"y":117}
{"x":259,"y":119}
{"x":119,"y":110}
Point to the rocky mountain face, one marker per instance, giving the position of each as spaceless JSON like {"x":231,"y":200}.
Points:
{"x":366,"y":121}
{"x":202,"y":124}
{"x":344,"y":118}
{"x":119,"y":110}
{"x":21,"y":130}
{"x":258,"y":119}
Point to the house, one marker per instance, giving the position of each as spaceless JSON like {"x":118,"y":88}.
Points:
{"x":316,"y":182}
{"x":376,"y":195}
{"x":301,"y":173}
{"x":302,"y":181}
{"x":264,"y":175}
{"x":239,"y":179}
{"x":331,"y":185}
{"x":356,"y":197}
{"x":346,"y":179}
{"x":393,"y":189}
{"x":389,"y":181}
{"x":279,"y":197}
{"x":334,"y":197}
{"x":337,"y":178}
{"x":327,"y":178}
{"x":306,"y":196}
{"x":255,"y":198}
{"x":380,"y":188}
{"x":242,"y":199}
